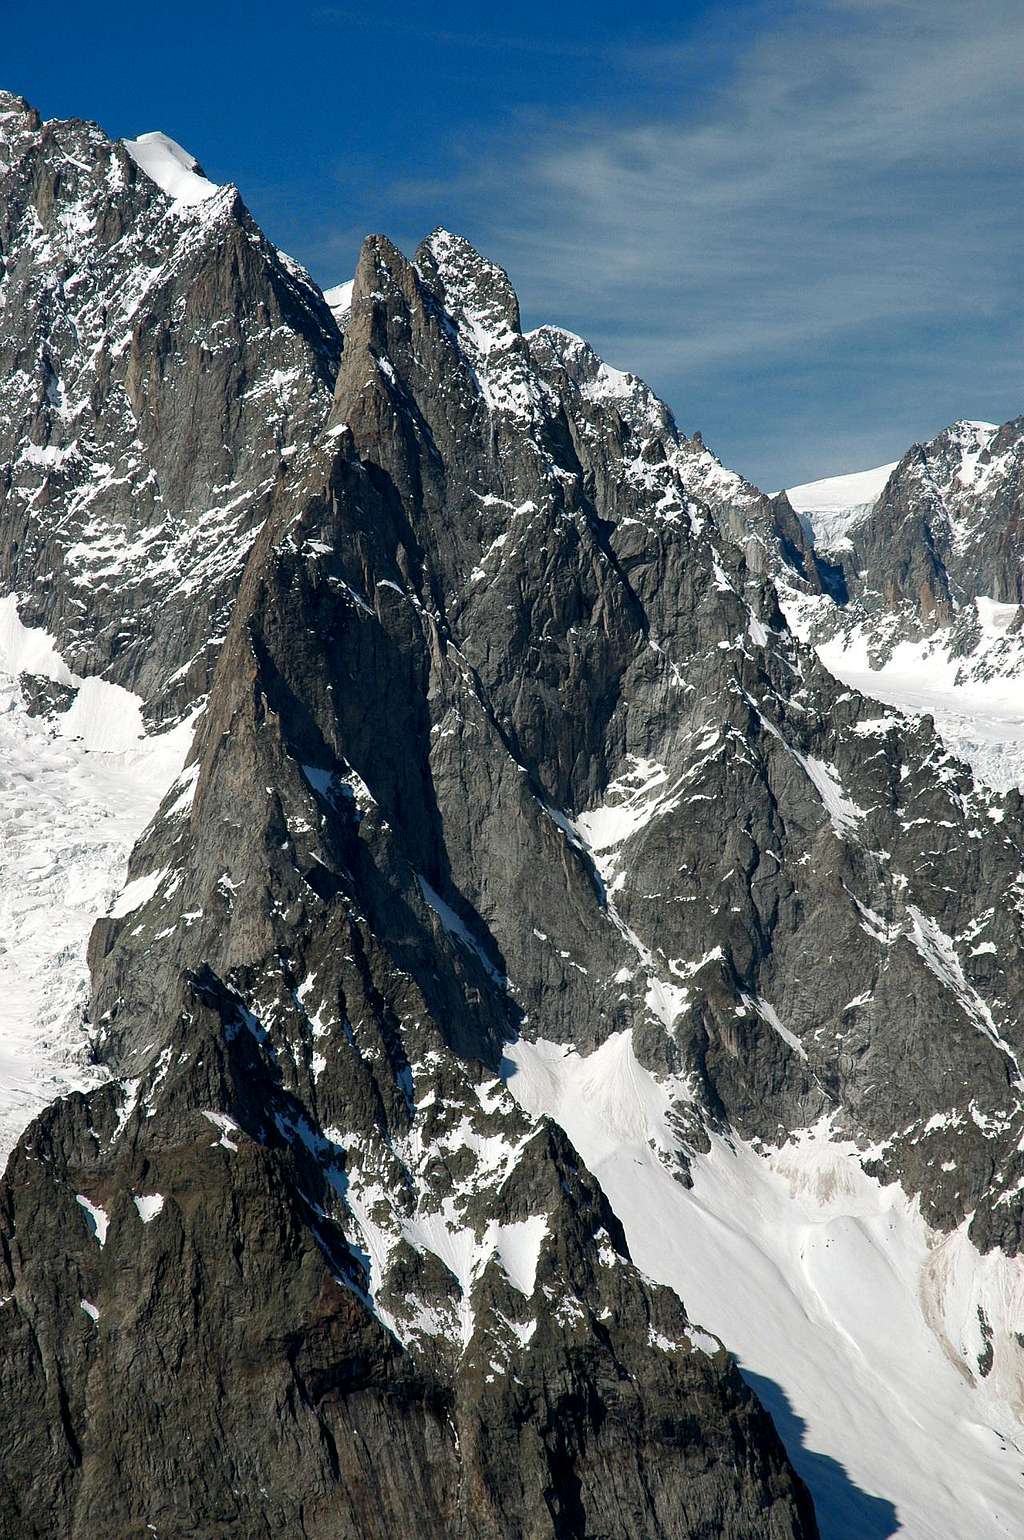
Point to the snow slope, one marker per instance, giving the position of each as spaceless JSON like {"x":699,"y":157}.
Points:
{"x":857,"y":1324}
{"x":968,"y":677}
{"x":75,"y":793}
{"x":339,"y":300}
{"x":171,"y":167}
{"x":833,"y":506}
{"x":980,"y":720}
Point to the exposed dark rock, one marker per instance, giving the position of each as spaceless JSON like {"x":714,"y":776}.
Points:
{"x":506,"y":736}
{"x":303,"y":1267}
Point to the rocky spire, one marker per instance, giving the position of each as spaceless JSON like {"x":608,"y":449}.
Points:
{"x":514,"y":795}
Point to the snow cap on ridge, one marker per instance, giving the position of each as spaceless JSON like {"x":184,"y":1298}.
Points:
{"x":339,"y":299}
{"x":171,"y":167}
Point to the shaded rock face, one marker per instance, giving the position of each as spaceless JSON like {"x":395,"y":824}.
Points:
{"x":303,"y":1266}
{"x":162,"y":363}
{"x":224,"y":1374}
{"x":506,"y":736}
{"x":945,"y":530}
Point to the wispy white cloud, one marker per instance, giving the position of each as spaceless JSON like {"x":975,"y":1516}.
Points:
{"x":843,"y":182}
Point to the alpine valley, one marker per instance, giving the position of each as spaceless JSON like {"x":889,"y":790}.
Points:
{"x":512,"y":963}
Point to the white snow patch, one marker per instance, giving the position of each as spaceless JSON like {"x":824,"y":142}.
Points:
{"x":136,"y":893}
{"x":172,"y":168}
{"x":76,"y":791}
{"x":634,"y":800}
{"x":703,"y":1341}
{"x":666,"y":1001}
{"x":104,"y":717}
{"x":149,"y":1205}
{"x":455,"y":926}
{"x":227,"y":1125}
{"x":96,"y":1218}
{"x":938,"y":952}
{"x":27,"y":649}
{"x":623,"y":1101}
{"x":339,"y":299}
{"x":517,"y":1247}
{"x":769,"y":1014}
{"x":844,"y":814}
{"x":977,"y":702}
{"x":320,"y":780}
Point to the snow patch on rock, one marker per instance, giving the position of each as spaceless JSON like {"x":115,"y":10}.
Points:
{"x":96,"y":1218}
{"x":149,"y":1205}
{"x":171,"y":167}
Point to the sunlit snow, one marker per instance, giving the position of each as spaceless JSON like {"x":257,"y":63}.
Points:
{"x":75,"y":793}
{"x":172,"y":168}
{"x":149,"y":1205}
{"x":833,"y":506}
{"x":339,"y":299}
{"x":858,"y":1325}
{"x":96,"y":1218}
{"x":980,"y":719}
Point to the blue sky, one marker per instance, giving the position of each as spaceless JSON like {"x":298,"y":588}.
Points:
{"x":801,"y":220}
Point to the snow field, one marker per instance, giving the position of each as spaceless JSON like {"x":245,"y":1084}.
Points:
{"x":981,"y":719}
{"x":76,"y":791}
{"x":858,"y":1323}
{"x":172,"y":168}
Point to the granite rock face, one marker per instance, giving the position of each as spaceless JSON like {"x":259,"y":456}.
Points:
{"x":949,"y":522}
{"x":507,"y":738}
{"x":162,"y":363}
{"x":943,"y":534}
{"x":303,"y":1266}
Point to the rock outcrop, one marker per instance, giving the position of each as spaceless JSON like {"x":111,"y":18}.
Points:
{"x":303,"y":1267}
{"x":507,"y":739}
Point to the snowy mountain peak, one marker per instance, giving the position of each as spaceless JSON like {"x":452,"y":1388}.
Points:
{"x":968,"y":424}
{"x":933,"y":616}
{"x":474,"y":287}
{"x":17,"y":118}
{"x":960,"y":457}
{"x":534,"y":908}
{"x":833,"y":505}
{"x":171,"y":167}
{"x":13,"y":107}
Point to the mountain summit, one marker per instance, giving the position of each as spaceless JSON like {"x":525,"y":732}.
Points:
{"x":537,"y":979}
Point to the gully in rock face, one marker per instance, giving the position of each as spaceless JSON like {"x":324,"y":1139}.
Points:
{"x":537,"y":935}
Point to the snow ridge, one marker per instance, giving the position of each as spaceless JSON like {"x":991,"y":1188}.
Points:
{"x":172,"y":168}
{"x":835,"y":505}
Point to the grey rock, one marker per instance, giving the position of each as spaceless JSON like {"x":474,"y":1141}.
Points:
{"x":507,"y":735}
{"x":304,"y":1130}
{"x":162,"y":365}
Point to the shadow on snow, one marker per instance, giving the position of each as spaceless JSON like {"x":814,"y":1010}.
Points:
{"x":844,"y":1510}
